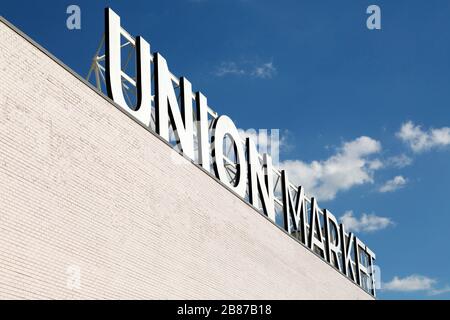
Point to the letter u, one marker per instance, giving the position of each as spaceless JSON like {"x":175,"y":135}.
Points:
{"x":113,"y":73}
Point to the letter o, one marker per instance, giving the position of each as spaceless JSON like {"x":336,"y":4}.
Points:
{"x":223,"y":126}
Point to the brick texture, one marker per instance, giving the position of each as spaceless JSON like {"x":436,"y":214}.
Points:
{"x":83,"y":187}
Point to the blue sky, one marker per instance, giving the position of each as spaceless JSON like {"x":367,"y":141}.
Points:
{"x":364,"y":114}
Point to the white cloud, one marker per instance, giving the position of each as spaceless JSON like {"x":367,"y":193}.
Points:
{"x":367,"y":222}
{"x":399,"y":161}
{"x":350,"y":166}
{"x":249,"y":68}
{"x":435,"y":292}
{"x":226,"y":68}
{"x":420,"y":140}
{"x":264,"y":71}
{"x":410,"y":283}
{"x":393,"y":184}
{"x":414,"y":283}
{"x":376,"y":164}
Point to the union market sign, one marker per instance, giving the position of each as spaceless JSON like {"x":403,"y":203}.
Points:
{"x":185,"y":120}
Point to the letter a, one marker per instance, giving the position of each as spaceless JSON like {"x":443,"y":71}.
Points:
{"x":74,"y":20}
{"x":374,"y":20}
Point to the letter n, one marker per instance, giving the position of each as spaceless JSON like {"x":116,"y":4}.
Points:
{"x":167,"y":107}
{"x":260,"y":183}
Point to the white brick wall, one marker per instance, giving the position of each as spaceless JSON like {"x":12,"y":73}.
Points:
{"x":83,"y":185}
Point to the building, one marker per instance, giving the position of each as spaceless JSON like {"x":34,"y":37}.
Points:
{"x":94,"y":207}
